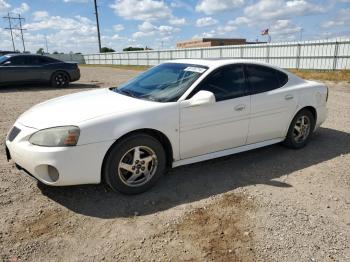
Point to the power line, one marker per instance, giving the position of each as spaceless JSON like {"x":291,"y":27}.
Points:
{"x":15,"y":28}
{"x":98,"y":26}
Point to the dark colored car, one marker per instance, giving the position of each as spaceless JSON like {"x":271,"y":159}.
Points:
{"x":26,"y":68}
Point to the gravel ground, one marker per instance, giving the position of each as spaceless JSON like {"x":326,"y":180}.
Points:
{"x":270,"y":204}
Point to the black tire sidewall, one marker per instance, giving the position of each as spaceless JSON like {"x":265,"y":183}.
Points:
{"x":110,"y":170}
{"x":290,"y":141}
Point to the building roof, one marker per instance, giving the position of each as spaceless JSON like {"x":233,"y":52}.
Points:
{"x":211,"y":39}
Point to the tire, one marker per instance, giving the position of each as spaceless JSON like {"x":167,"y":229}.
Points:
{"x":300,"y":130}
{"x":60,"y":79}
{"x":130,"y":172}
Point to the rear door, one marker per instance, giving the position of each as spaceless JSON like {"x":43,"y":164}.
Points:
{"x":272,"y":103}
{"x":38,"y":67}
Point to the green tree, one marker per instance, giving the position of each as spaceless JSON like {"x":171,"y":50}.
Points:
{"x":55,"y":53}
{"x":107,"y":50}
{"x":130,"y":48}
{"x":40,"y":51}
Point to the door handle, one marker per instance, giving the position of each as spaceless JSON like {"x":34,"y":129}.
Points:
{"x":288,"y":97}
{"x":239,"y":107}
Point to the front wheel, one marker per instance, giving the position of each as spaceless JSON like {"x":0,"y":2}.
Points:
{"x":60,"y":79}
{"x":134,"y":164}
{"x":300,"y":129}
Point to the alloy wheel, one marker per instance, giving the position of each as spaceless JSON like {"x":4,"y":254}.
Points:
{"x":61,"y":79}
{"x":301,"y":129}
{"x":137,"y":166}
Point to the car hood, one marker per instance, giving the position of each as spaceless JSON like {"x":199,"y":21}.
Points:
{"x":76,"y":108}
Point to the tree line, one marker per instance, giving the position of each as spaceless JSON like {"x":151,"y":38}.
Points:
{"x":105,"y":49}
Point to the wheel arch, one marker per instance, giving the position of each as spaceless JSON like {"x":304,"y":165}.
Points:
{"x":160,"y":136}
{"x":311,"y":109}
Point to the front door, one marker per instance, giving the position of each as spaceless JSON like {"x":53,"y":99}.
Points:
{"x":14,"y":70}
{"x":219,"y":126}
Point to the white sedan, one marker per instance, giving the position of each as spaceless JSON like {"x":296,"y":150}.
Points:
{"x":176,"y":113}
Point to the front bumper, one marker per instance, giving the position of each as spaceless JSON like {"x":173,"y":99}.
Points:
{"x":57,"y":166}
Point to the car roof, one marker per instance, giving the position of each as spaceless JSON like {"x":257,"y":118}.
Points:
{"x":21,"y":54}
{"x":214,"y":63}
{"x":217,"y":62}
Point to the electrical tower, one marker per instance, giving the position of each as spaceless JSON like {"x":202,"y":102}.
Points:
{"x":15,"y":25}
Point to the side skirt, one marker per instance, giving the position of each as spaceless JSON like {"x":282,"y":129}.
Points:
{"x":226,"y":152}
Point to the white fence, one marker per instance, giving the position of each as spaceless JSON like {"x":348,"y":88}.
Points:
{"x":69,"y":57}
{"x":321,"y":54}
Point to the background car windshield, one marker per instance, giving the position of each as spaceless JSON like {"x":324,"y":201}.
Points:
{"x":3,"y":59}
{"x":164,"y":83}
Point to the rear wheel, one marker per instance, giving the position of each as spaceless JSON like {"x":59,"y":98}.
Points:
{"x":134,"y":164}
{"x":300,"y":129}
{"x":60,"y":79}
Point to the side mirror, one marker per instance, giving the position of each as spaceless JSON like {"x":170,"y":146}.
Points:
{"x":201,"y":98}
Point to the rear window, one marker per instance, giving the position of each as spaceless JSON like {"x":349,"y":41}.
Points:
{"x":283,"y":78}
{"x":262,"y":79}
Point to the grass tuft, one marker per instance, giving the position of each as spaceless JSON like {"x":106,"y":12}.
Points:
{"x":339,"y":75}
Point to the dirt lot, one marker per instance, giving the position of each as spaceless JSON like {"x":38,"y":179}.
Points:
{"x":270,"y":204}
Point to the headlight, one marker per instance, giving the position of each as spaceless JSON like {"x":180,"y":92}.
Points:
{"x":56,"y":136}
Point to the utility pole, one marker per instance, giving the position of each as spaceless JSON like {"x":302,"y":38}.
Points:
{"x":10,"y":28}
{"x":47,"y":48}
{"x":21,"y":29}
{"x":301,"y":34}
{"x":98,"y":26}
{"x":13,"y":28}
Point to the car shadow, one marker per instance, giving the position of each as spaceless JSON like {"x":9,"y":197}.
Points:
{"x":199,"y":181}
{"x":43,"y":87}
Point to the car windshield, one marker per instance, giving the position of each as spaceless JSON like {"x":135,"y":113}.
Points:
{"x":3,"y":59}
{"x":164,"y":83}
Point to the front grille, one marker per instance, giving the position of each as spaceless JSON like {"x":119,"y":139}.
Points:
{"x":13,"y":133}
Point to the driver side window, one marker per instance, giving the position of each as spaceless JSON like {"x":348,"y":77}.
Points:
{"x":18,"y":60}
{"x":225,"y":83}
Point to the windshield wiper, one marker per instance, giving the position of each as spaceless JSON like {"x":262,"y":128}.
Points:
{"x":124,"y":92}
